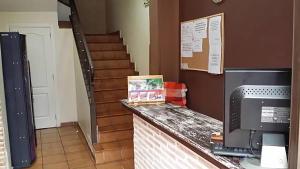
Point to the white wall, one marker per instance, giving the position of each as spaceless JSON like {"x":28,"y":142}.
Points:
{"x":82,"y":101}
{"x":63,"y":12}
{"x":92,"y":15}
{"x":27,"y":5}
{"x":66,"y":108}
{"x":66,"y":84}
{"x":131,"y":18}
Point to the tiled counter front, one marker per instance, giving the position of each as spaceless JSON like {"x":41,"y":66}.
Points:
{"x":154,"y":149}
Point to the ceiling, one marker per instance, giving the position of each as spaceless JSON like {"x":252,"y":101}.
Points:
{"x":27,"y":5}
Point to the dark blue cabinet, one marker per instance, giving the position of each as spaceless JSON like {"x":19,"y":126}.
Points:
{"x":18,"y":98}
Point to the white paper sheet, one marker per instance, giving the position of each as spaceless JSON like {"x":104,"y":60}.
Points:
{"x":197,"y":45}
{"x":184,"y":66}
{"x":187,"y":39}
{"x":215,"y":45}
{"x":200,"y":29}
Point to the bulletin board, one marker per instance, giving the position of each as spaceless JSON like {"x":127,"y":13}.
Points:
{"x":201,"y":60}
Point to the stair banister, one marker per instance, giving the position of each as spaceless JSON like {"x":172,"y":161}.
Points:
{"x":86,"y":65}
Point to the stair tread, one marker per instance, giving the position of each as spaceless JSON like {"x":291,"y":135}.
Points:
{"x":113,"y":114}
{"x":120,"y":164}
{"x":108,"y":43}
{"x":111,"y":59}
{"x":104,"y":90}
{"x":114,"y":128}
{"x":97,"y":68}
{"x":113,"y":145}
{"x":121,"y":77}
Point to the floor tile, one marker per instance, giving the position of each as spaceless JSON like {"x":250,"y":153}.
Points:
{"x":53,"y":151}
{"x":49,"y":131}
{"x":56,"y":166}
{"x":52,"y":145}
{"x":71,"y":142}
{"x":62,"y":148}
{"x":78,"y":155}
{"x":75,"y":164}
{"x":58,"y":158}
{"x":70,"y":137}
{"x":51,"y":140}
{"x":75,"y":148}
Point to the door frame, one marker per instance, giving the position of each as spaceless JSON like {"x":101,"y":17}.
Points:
{"x":53,"y":64}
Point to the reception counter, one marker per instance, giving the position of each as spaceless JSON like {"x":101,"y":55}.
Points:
{"x":170,"y":137}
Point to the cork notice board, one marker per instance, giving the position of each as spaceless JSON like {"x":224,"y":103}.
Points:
{"x":208,"y":55}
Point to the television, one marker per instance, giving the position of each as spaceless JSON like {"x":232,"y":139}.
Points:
{"x":257,"y":101}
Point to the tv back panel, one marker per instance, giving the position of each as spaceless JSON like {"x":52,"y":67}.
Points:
{"x":257,"y":100}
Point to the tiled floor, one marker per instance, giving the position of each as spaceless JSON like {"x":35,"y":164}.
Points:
{"x":62,"y":148}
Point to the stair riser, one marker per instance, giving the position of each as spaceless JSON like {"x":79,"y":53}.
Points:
{"x":110,"y":84}
{"x":109,"y":55}
{"x":102,"y":39}
{"x":108,"y":156}
{"x":124,"y":164}
{"x":109,"y":107}
{"x":114,"y":73}
{"x":108,"y":121}
{"x":105,"y":47}
{"x":112,"y":64}
{"x":115,"y":136}
{"x":109,"y":96}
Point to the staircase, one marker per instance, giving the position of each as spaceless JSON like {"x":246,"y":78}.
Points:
{"x":111,"y":67}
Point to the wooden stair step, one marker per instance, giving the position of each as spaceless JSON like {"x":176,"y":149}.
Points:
{"x":122,"y":164}
{"x":105,"y":137}
{"x":113,"y":113}
{"x":103,"y":38}
{"x":106,"y":46}
{"x":114,"y":120}
{"x":109,"y":55}
{"x":112,"y":64}
{"x":109,"y":107}
{"x":114,"y":73}
{"x":116,"y":128}
{"x":110,"y":83}
{"x":113,"y":151}
{"x":110,"y":95}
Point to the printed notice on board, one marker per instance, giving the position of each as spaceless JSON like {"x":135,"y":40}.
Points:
{"x":215,"y":45}
{"x":187,"y":39}
{"x":199,"y":32}
{"x":200,"y":28}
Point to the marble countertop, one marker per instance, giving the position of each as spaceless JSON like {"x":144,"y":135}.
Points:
{"x":192,"y":127}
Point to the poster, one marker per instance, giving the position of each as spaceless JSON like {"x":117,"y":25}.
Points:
{"x":146,"y":89}
{"x":215,"y":45}
{"x":187,"y":39}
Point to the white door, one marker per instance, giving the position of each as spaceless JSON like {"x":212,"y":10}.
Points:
{"x":41,"y":58}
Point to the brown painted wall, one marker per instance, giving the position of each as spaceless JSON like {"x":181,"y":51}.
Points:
{"x":258,"y":34}
{"x":164,"y":39}
{"x":294,"y":153}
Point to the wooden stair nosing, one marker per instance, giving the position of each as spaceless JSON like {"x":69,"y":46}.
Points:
{"x":97,"y":50}
{"x":108,"y":43}
{"x":117,"y":145}
{"x":116,"y":128}
{"x":100,"y":34}
{"x":113,"y":114}
{"x":105,"y":90}
{"x":130,"y":67}
{"x":109,"y":78}
{"x":112,"y":59}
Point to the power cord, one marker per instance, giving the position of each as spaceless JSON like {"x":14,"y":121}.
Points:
{"x":252,"y":132}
